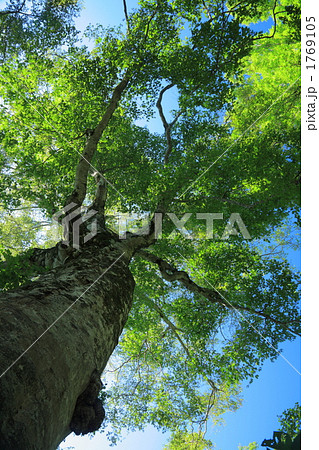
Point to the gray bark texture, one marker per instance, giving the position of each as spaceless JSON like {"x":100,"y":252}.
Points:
{"x":56,"y":336}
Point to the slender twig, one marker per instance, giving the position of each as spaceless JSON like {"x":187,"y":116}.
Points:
{"x":207,"y":10}
{"x":275,"y":24}
{"x":209,"y":405}
{"x":16,"y":11}
{"x":149,"y":23}
{"x":234,"y":8}
{"x":170,"y":324}
{"x":6,"y":13}
{"x":220,"y":199}
{"x":19,"y":209}
{"x":126,"y":16}
{"x":118,"y":368}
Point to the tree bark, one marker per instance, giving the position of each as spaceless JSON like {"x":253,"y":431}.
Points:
{"x":55,"y":333}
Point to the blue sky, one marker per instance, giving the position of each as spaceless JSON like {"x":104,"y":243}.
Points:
{"x":277,"y":389}
{"x":278,"y":386}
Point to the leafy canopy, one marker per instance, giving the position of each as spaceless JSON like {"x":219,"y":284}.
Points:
{"x":34,"y":26}
{"x":230,"y":144}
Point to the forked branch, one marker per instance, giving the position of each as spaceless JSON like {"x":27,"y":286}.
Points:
{"x":167,"y":126}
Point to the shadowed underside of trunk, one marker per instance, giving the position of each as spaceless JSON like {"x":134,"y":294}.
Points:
{"x":55,"y":333}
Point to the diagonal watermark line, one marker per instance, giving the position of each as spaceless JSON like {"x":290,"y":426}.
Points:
{"x":243,"y":134}
{"x":61,"y":315}
{"x":60,"y":134}
{"x":249,"y":323}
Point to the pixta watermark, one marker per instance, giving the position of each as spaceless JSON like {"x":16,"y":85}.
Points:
{"x":79,"y":226}
{"x":72,"y":223}
{"x":233,"y":227}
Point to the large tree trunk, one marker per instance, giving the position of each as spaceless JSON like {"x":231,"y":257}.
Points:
{"x":55,"y":333}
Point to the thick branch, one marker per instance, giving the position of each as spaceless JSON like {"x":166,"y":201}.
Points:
{"x":148,"y":235}
{"x":167,"y":126}
{"x":170,"y":273}
{"x":80,"y":184}
{"x":100,"y":194}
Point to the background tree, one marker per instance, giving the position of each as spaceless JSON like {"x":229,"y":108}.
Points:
{"x":251,"y":446}
{"x":36,"y":26}
{"x":289,"y":435}
{"x":189,"y":440}
{"x":206,"y":312}
{"x":290,"y":421}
